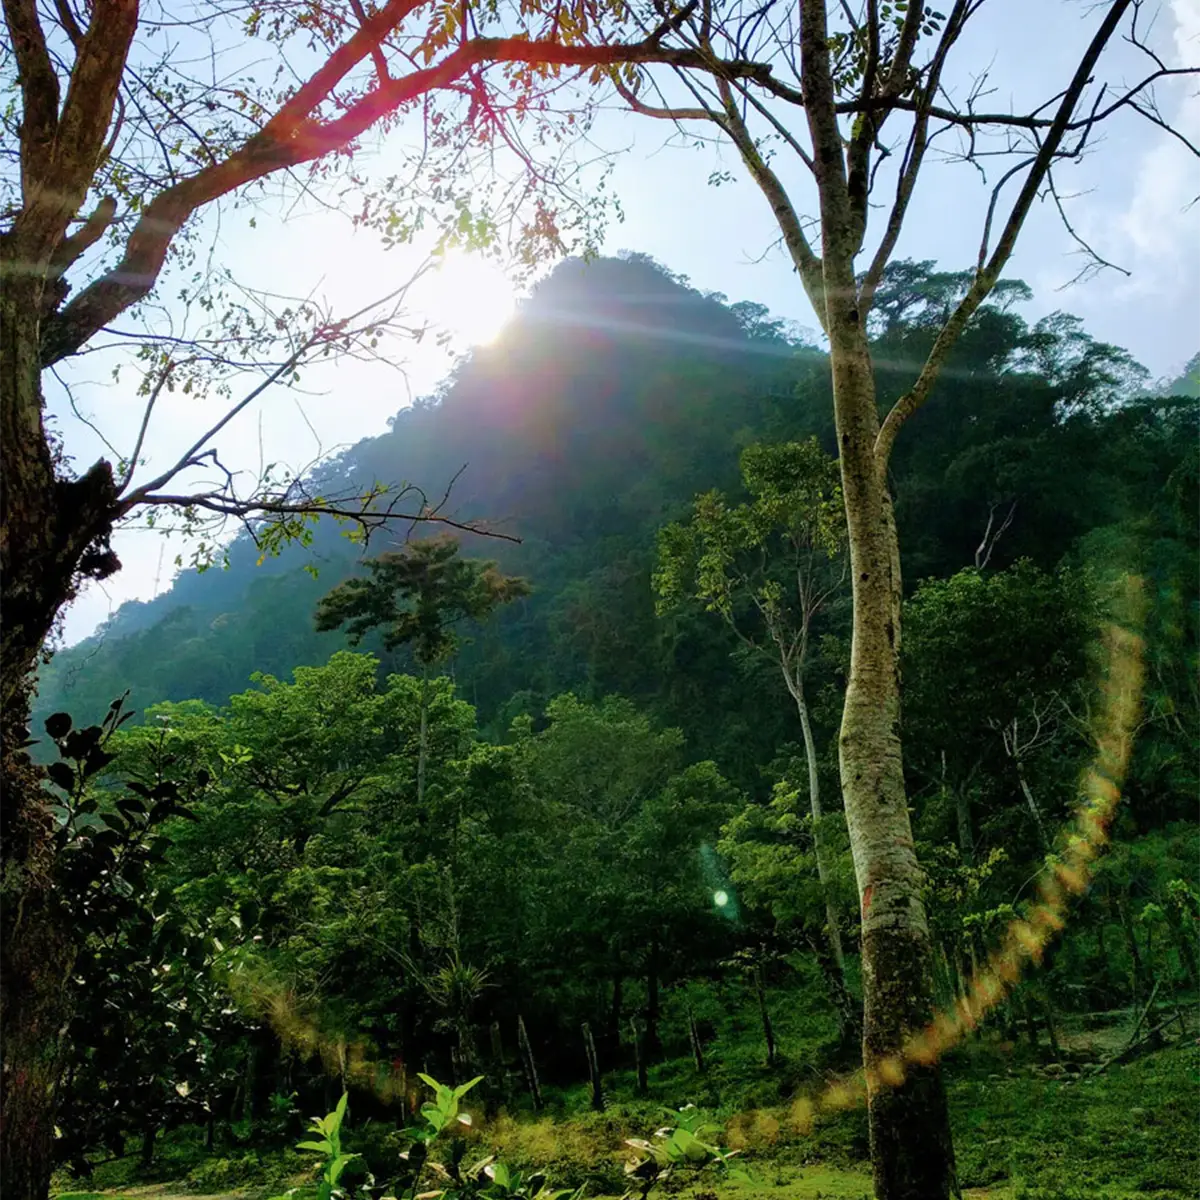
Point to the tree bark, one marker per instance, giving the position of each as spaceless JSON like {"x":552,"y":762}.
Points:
{"x":652,"y":1042}
{"x":911,"y":1149}
{"x":423,"y":740}
{"x":765,"y":1014}
{"x":38,"y":955}
{"x":1031,"y":803}
{"x":832,"y":917}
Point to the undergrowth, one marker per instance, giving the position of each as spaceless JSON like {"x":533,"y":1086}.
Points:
{"x":1128,"y":1133}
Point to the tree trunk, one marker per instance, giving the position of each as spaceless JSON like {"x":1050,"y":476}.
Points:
{"x":51,"y":531}
{"x":847,"y":1012}
{"x":593,"y":1062}
{"x":1031,"y":804}
{"x":1183,"y":943}
{"x":652,"y":1042}
{"x":962,"y":812}
{"x":1101,"y":946}
{"x":423,"y":740}
{"x":149,"y":1133}
{"x":1140,"y":975}
{"x":764,"y":1013}
{"x":911,"y":1149}
{"x":1047,"y":1008}
{"x":613,"y":1032}
{"x":37,"y":953}
{"x":694,"y":1039}
{"x":531,"y":1075}
{"x":639,"y":1057}
{"x":832,"y":917}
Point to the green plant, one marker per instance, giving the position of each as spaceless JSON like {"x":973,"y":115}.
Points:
{"x":688,"y":1143}
{"x":329,"y":1130}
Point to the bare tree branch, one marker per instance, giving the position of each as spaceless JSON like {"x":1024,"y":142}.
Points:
{"x":987,"y":274}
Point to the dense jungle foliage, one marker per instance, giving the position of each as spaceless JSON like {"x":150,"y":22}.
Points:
{"x":526,"y":809}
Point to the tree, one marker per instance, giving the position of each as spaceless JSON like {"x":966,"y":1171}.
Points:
{"x":849,"y":75}
{"x":772,"y":851}
{"x":104,"y":844}
{"x":768,"y":568}
{"x":117,"y":152}
{"x":417,"y":596}
{"x":1012,"y":649}
{"x":624,"y":823}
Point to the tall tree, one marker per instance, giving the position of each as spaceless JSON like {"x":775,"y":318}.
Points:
{"x":828,"y":85}
{"x":115,"y":153}
{"x":769,"y":567}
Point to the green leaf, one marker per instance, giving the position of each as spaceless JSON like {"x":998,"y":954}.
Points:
{"x":61,"y":776}
{"x":338,"y":1165}
{"x":58,"y":725}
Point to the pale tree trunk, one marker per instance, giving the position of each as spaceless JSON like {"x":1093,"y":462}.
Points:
{"x":821,"y":851}
{"x":1031,"y":803}
{"x":911,"y":1149}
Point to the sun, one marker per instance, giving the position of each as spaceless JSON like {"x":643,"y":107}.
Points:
{"x":467,"y":297}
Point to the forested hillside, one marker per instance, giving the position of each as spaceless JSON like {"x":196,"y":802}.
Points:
{"x":618,"y":395}
{"x":449,"y":847}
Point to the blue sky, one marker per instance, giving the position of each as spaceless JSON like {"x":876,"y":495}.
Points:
{"x":1133,"y":201}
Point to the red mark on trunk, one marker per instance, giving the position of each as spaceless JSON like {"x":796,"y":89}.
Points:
{"x":866,"y":897}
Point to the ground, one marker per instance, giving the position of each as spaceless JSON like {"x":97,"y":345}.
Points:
{"x":1024,"y":1130}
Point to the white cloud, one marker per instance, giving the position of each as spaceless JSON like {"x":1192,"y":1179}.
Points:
{"x":1158,"y":226}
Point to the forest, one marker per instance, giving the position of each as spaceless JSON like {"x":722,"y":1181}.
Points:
{"x":723,"y":748}
{"x":564,"y":813}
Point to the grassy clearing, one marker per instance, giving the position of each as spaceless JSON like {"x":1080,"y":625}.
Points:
{"x":1129,"y":1133}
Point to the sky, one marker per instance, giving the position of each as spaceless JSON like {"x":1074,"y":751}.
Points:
{"x":1131,"y":199}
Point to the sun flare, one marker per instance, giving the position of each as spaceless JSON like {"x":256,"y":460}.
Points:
{"x":468,"y":298}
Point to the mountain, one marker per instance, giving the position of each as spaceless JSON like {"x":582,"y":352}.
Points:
{"x":616,"y":395}
{"x":1188,"y":383}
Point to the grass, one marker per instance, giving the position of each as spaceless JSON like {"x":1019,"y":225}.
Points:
{"x":1128,"y":1133}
